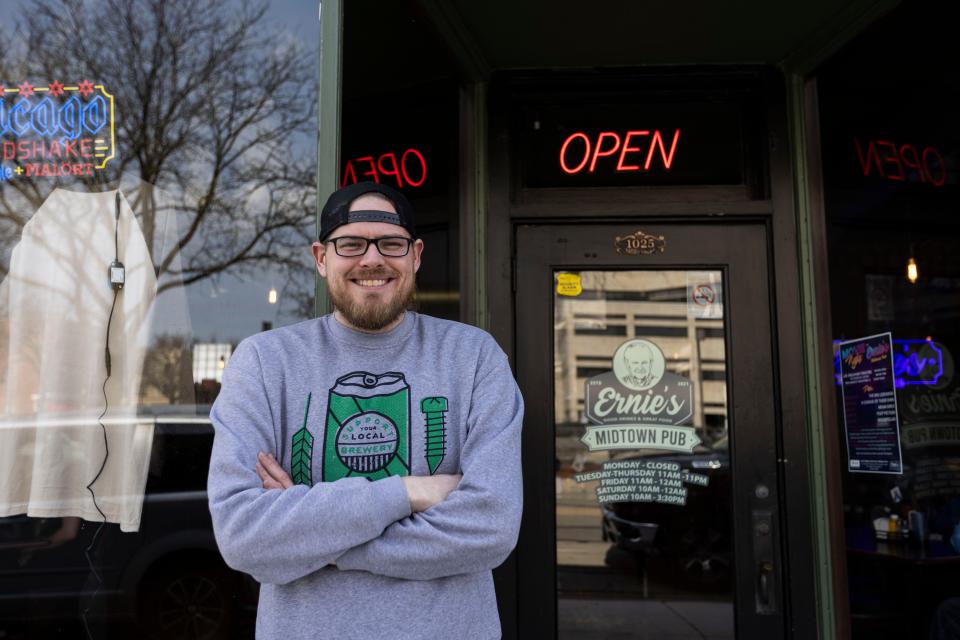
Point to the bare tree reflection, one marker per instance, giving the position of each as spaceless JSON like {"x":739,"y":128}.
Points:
{"x":211,"y":105}
{"x":166,"y":368}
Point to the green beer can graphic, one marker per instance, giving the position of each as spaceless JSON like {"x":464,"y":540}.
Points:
{"x":368,"y":427}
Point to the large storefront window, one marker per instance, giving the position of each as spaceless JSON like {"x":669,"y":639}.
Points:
{"x":157,"y":203}
{"x":890,"y":140}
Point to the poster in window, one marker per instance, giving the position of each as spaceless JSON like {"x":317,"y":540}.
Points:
{"x":870,"y":405}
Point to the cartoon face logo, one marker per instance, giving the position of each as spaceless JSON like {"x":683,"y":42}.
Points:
{"x":638,"y":364}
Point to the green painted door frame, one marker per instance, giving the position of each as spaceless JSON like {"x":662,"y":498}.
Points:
{"x":328,"y":119}
{"x":474,"y":308}
{"x":799,"y":71}
{"x":805,"y":214}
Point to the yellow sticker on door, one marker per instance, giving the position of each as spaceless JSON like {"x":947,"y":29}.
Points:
{"x":568,"y":284}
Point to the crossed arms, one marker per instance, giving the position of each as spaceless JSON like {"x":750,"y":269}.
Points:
{"x":422,"y":491}
{"x":412,"y":528}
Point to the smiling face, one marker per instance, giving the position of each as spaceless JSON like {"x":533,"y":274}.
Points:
{"x":639,"y":360}
{"x":369,"y":292}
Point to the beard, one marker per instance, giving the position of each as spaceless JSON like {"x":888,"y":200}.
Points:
{"x":368,"y":313}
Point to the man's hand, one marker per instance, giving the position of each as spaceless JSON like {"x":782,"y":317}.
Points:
{"x":272,"y":474}
{"x":426,"y":491}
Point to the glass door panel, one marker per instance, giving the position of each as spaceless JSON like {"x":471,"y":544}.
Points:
{"x":644,"y":545}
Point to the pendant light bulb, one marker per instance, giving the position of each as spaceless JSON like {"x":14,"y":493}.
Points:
{"x":272,"y":296}
{"x":912,"y":272}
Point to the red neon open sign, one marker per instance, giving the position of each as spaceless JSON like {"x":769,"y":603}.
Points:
{"x":407,"y":170}
{"x":638,"y":150}
{"x":900,"y":162}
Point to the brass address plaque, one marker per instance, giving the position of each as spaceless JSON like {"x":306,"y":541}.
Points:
{"x":640,"y":244}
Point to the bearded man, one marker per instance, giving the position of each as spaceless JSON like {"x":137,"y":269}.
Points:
{"x":366,"y":464}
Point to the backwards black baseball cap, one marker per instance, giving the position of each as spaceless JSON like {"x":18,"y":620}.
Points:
{"x":336,"y":211}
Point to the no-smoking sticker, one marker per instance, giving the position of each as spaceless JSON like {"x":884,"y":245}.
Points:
{"x":704,"y":294}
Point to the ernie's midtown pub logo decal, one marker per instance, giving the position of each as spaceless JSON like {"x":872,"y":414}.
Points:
{"x":639,"y":404}
{"x":57,"y":129}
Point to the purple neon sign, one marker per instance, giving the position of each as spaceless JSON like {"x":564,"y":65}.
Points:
{"x":915,"y":362}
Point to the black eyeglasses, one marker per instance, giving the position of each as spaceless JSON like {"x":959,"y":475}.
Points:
{"x":388,"y":246}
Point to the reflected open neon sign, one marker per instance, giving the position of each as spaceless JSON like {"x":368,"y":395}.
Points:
{"x":406,"y":169}
{"x":901,"y":162}
{"x":637,"y":150}
{"x":56,"y":130}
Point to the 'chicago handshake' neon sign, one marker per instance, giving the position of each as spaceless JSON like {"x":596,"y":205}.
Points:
{"x":56,"y":130}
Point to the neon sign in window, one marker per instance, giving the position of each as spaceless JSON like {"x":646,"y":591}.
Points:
{"x":915,"y":362}
{"x":584,"y":142}
{"x":581,"y":151}
{"x":56,"y":130}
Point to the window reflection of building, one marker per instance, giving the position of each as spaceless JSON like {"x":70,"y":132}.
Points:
{"x":614,"y":307}
{"x":209,"y":361}
{"x":612,"y":310}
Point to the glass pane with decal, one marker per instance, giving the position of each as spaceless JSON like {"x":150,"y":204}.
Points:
{"x":644,"y":543}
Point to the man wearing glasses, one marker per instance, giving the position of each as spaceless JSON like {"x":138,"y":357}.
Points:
{"x":366,"y":464}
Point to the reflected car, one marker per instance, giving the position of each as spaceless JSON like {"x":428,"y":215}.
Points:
{"x":165,"y":581}
{"x":690,"y":546}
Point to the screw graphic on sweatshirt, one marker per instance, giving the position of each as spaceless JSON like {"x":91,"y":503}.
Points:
{"x":435,"y":414}
{"x":301,"y":456}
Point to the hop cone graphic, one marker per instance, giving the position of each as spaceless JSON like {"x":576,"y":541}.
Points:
{"x":301,"y":457}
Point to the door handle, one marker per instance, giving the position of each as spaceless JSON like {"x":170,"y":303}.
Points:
{"x":763,"y":557}
{"x":764,"y":578}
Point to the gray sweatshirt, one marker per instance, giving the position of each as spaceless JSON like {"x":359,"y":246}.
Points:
{"x":347,"y":414}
